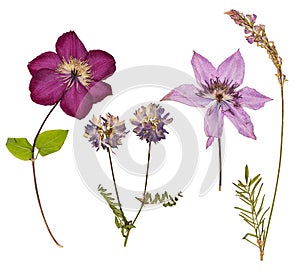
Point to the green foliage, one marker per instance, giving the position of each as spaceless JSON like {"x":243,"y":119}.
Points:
{"x":253,"y":212}
{"x":120,"y":219}
{"x":51,"y":141}
{"x":165,"y":199}
{"x":20,"y":148}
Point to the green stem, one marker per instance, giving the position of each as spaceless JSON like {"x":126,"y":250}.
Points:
{"x":33,"y":158}
{"x":279,"y":166}
{"x":220,"y":164}
{"x":144,"y":193}
{"x":114,"y":180}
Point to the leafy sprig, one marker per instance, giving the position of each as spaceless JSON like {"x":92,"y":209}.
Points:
{"x":253,"y":212}
{"x":120,"y":219}
{"x":164,"y":198}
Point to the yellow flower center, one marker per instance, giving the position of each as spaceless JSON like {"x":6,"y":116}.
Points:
{"x":75,"y":69}
{"x":221,"y":95}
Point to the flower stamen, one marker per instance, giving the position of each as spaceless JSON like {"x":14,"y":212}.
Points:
{"x":75,"y":69}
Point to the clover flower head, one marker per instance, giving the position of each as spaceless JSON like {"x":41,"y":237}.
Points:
{"x":150,"y":122}
{"x":105,"y":132}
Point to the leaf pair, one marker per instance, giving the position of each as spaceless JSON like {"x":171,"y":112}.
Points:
{"x":47,"y":142}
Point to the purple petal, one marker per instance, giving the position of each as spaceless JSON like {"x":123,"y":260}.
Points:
{"x":69,"y":45}
{"x":186,"y":94}
{"x":102,"y":64}
{"x":233,"y":68}
{"x":76,"y":102}
{"x":241,"y":120}
{"x":250,"y":98}
{"x":209,"y":141}
{"x":99,"y":90}
{"x":47,"y":60}
{"x":46,"y":87}
{"x":203,"y":69}
{"x":213,"y":123}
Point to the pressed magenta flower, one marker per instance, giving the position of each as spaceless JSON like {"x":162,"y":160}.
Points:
{"x":150,"y":122}
{"x":72,"y":76}
{"x":219,"y":92}
{"x":104,"y":132}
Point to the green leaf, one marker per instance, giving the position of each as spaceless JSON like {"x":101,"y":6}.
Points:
{"x":20,"y":148}
{"x":51,"y":141}
{"x":246,"y":173}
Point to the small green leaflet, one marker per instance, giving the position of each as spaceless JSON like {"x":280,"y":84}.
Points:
{"x":20,"y":148}
{"x":51,"y":141}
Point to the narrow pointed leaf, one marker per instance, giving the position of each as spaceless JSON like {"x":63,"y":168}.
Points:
{"x":246,"y":173}
{"x":20,"y":148}
{"x":51,"y":141}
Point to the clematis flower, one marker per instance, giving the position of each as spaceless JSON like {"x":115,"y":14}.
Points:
{"x":71,"y":76}
{"x":150,"y":122}
{"x":219,"y":93}
{"x":104,"y":132}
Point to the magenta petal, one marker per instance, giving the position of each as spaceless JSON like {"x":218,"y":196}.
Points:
{"x":46,"y":87}
{"x":232,"y":69}
{"x":186,"y":94}
{"x":99,"y":90}
{"x":213,"y":122}
{"x":250,"y":98}
{"x":76,"y":102}
{"x":102,"y":64}
{"x":241,"y":120}
{"x":47,"y":60}
{"x":69,"y":45}
{"x":203,"y":69}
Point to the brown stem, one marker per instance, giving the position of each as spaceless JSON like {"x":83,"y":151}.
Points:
{"x":40,"y":205}
{"x":33,"y":158}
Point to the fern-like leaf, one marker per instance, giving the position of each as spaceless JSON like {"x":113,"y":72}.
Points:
{"x":253,"y":213}
{"x":165,"y":199}
{"x":120,"y":219}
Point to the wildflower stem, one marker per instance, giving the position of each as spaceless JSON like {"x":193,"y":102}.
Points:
{"x":220,"y":164}
{"x":114,"y":180}
{"x":279,"y":165}
{"x":144,"y":193}
{"x":33,"y":158}
{"x":145,"y":188}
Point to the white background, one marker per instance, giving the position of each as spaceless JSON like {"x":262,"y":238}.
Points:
{"x":200,"y":234}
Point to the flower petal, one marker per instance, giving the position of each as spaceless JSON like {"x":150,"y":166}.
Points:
{"x":99,"y":90}
{"x":47,"y":60}
{"x":46,"y":87}
{"x":213,"y":122}
{"x":250,"y":98}
{"x":76,"y":102}
{"x":241,"y":120}
{"x":209,"y":141}
{"x":233,"y":68}
{"x":186,"y":94}
{"x":102,"y":64}
{"x":203,"y":69}
{"x":69,"y":45}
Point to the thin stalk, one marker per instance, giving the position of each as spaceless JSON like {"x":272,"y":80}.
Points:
{"x":144,"y":193}
{"x":114,"y":180}
{"x":220,"y":164}
{"x":279,"y":165}
{"x":40,"y":205}
{"x":33,"y":158}
{"x":145,"y":188}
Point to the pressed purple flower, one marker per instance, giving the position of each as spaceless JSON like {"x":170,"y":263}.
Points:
{"x":72,"y":76}
{"x":218,"y":92}
{"x":150,"y":122}
{"x":105,"y":132}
